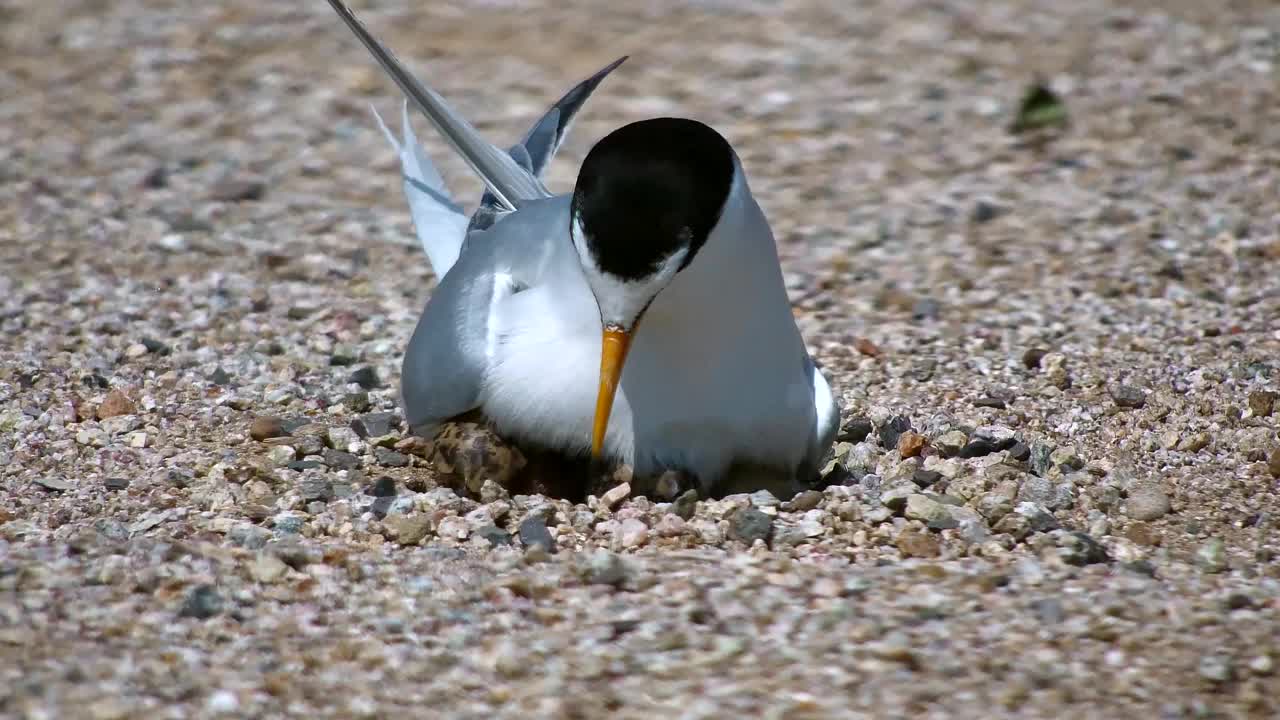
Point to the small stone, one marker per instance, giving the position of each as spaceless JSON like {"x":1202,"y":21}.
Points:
{"x":993,"y":506}
{"x":267,"y":568}
{"x":668,"y":484}
{"x":1211,"y":556}
{"x":1273,"y":465}
{"x":356,"y":402}
{"x":1195,"y":442}
{"x":1141,"y":533}
{"x":266,"y":427}
{"x":615,"y":495}
{"x":855,"y":431}
{"x":340,"y":460}
{"x":237,"y":190}
{"x":807,"y":500}
{"x":114,"y":404}
{"x":950,"y":443}
{"x":686,"y":505}
{"x":366,"y":377}
{"x":918,"y":544}
{"x":390,"y":458}
{"x":1147,"y":502}
{"x":1049,"y":611}
{"x":1128,"y":396}
{"x":287,"y":523}
{"x":1263,"y":402}
{"x":222,"y":702}
{"x":492,"y":492}
{"x":384,"y":486}
{"x":381,"y":507}
{"x":1216,"y":668}
{"x":282,"y":455}
{"x":534,"y":533}
{"x":984,"y":211}
{"x":925,"y":478}
{"x":926,"y":510}
{"x":116,"y":483}
{"x":670,"y":525}
{"x":749,"y":524}
{"x":408,"y":529}
{"x":316,"y":489}
{"x":1032,"y":357}
{"x":896,"y":498}
{"x":606,"y":568}
{"x":495,"y":535}
{"x":1262,"y":665}
{"x":764,"y":499}
{"x":1020,"y":451}
{"x":978,"y":447}
{"x":910,"y":444}
{"x":375,"y":425}
{"x":453,"y":528}
{"x":633,"y":533}
{"x":202,"y":602}
{"x":220,"y":377}
{"x":1038,"y":518}
{"x":54,"y":484}
{"x":893,"y":430}
{"x":1077,"y":548}
{"x":987,"y":401}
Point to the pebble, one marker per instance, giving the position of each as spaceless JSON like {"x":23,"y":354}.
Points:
{"x":375,"y":425}
{"x":606,"y":568}
{"x":114,"y":404}
{"x":892,"y":430}
{"x":408,"y":529}
{"x":615,"y":495}
{"x":670,"y":525}
{"x":928,"y":511}
{"x":356,"y":402}
{"x":910,"y":444}
{"x":265,"y":427}
{"x":453,"y":528}
{"x":282,"y":455}
{"x":926,"y":478}
{"x":896,"y":498}
{"x":1262,"y":403}
{"x":1077,"y":548}
{"x":749,"y":524}
{"x":807,"y":500}
{"x":390,"y":458}
{"x":1128,"y":396}
{"x":1211,"y":556}
{"x":978,"y":447}
{"x":1273,"y":465}
{"x":340,"y":460}
{"x":495,"y":535}
{"x":1038,"y":518}
{"x":951,"y":442}
{"x":53,"y":483}
{"x":116,"y":483}
{"x":633,"y":533}
{"x":1147,"y":501}
{"x":1195,"y":442}
{"x":267,"y":568}
{"x":384,"y":486}
{"x":1216,"y":668}
{"x":686,"y":505}
{"x":366,"y":377}
{"x":856,"y":430}
{"x":202,"y":602}
{"x":318,"y":489}
{"x":235,"y":189}
{"x":534,"y":533}
{"x":918,"y":544}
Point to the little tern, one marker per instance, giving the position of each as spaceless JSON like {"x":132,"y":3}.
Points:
{"x":642,"y":318}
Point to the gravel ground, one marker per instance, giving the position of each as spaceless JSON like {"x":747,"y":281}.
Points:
{"x":1059,"y":353}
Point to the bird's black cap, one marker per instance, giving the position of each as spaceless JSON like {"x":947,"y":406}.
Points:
{"x":648,"y":189}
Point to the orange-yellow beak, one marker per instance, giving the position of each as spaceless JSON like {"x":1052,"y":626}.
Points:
{"x":613,"y":354}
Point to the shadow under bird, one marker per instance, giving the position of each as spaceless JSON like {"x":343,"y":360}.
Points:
{"x":642,"y":318}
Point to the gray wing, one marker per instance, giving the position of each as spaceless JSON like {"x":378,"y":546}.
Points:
{"x":444,"y":366}
{"x":536,"y":151}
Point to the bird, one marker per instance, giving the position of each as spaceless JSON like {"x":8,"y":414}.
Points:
{"x":641,"y":319}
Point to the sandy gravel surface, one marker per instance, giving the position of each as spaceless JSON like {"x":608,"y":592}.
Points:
{"x":1059,"y":355}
